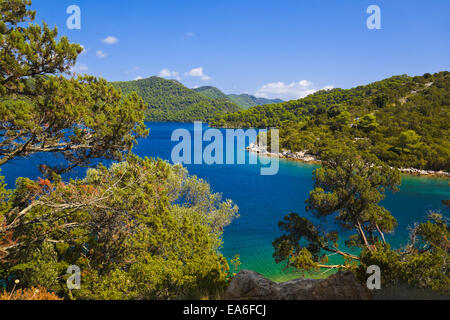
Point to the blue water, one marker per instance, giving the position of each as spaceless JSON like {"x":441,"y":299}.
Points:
{"x":265,"y":200}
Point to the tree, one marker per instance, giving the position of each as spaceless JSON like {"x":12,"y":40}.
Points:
{"x":141,"y":229}
{"x":341,"y":121}
{"x":422,"y":264}
{"x":29,"y":51}
{"x":41,"y":110}
{"x":381,"y":100}
{"x":347,"y":189}
{"x":408,"y":141}
{"x":368,"y":123}
{"x":417,"y":103}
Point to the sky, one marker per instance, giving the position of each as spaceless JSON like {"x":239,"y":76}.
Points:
{"x":275,"y":49}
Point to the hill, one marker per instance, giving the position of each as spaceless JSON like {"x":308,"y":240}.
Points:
{"x":403,"y":120}
{"x":244,"y":101}
{"x":211,"y":92}
{"x":170,"y":101}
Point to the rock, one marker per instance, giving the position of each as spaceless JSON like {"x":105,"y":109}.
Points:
{"x":298,"y":289}
{"x":250,"y":285}
{"x":305,"y":157}
{"x":340,"y":286}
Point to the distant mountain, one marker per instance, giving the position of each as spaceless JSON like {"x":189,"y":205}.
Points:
{"x":169,"y":100}
{"x":211,"y":92}
{"x":244,"y":101}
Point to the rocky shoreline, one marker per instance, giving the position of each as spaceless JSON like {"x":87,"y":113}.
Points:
{"x":286,"y":154}
{"x":303,"y":156}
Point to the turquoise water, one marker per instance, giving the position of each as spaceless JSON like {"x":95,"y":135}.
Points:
{"x":265,"y":200}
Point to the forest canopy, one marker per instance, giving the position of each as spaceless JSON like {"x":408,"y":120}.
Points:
{"x":170,"y":101}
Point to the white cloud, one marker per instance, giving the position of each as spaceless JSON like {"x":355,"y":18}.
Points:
{"x":198,"y":73}
{"x":328,"y":88}
{"x":138,"y":78}
{"x":101,"y":54}
{"x":110,"y":40}
{"x":292,"y":91}
{"x":84,"y":49}
{"x":79,"y":68}
{"x":166,"y":73}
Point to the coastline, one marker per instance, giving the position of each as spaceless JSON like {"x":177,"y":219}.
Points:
{"x":303,"y":156}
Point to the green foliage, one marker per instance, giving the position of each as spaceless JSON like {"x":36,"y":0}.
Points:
{"x":408,"y":141}
{"x":40,"y":268}
{"x":422,"y":264}
{"x":348,"y":189}
{"x":211,"y":92}
{"x":382,"y":114}
{"x":29,"y":51}
{"x":246,"y":101}
{"x":141,"y":229}
{"x":368,"y":123}
{"x":342,"y":121}
{"x":351,"y":186}
{"x":381,"y":100}
{"x":42,"y":111}
{"x":169,"y":100}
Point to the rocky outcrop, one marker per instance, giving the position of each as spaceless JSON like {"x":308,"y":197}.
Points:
{"x":419,"y":172}
{"x":303,"y":156}
{"x":300,"y":155}
{"x":250,"y":285}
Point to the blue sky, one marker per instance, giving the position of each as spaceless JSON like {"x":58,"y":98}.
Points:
{"x":283,"y":48}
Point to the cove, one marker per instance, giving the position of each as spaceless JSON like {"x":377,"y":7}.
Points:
{"x":265,"y":200}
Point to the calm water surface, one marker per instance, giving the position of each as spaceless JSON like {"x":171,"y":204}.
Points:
{"x":265,"y":200}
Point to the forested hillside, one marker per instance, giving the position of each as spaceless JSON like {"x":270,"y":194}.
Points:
{"x":403,"y":120}
{"x":244,"y":101}
{"x":211,"y":92}
{"x":169,"y":100}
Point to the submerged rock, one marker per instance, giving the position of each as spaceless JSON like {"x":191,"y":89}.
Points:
{"x":250,"y":285}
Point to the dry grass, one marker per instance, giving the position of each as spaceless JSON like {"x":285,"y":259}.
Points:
{"x":38,"y":293}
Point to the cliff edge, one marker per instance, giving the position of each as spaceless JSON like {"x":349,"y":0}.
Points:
{"x":250,"y":285}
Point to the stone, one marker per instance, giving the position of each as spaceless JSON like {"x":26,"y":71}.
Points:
{"x":250,"y":285}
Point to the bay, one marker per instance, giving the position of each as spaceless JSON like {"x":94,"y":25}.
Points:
{"x":264,"y":200}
